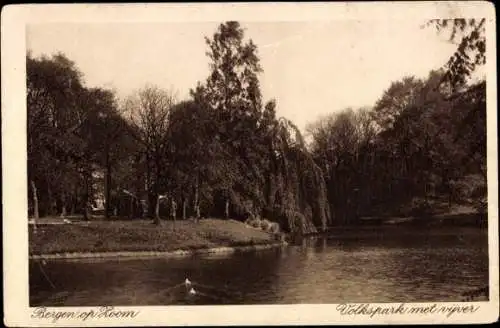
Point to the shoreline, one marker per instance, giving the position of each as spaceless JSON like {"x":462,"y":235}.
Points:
{"x":127,"y":239}
{"x":106,"y":239}
{"x":167,"y":254}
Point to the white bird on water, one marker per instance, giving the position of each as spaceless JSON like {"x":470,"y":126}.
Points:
{"x":192,"y":291}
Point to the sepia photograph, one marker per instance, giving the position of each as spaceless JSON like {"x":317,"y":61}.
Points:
{"x":240,"y":161}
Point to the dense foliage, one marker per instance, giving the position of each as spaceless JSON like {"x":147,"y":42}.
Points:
{"x":225,"y":153}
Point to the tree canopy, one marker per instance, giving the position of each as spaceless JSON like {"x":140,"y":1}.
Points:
{"x":225,"y":152}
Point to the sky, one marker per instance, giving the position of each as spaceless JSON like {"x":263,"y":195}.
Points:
{"x":310,"y":68}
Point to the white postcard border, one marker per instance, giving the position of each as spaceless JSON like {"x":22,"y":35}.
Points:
{"x":15,"y":251}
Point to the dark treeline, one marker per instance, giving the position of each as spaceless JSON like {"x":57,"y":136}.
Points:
{"x":420,"y":148}
{"x":222,"y":153}
{"x":225,"y":153}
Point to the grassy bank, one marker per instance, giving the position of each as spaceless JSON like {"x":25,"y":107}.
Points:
{"x":439,"y":215}
{"x":134,"y":236}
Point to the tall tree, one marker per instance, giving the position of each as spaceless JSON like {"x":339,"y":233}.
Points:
{"x":259,"y":163}
{"x":53,"y":89}
{"x":399,"y":96}
{"x":233,"y":84}
{"x":148,"y":112}
{"x":233,"y":92}
{"x":470,"y":37}
{"x":340,"y":145}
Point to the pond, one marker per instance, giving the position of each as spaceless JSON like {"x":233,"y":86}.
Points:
{"x":366,"y":265}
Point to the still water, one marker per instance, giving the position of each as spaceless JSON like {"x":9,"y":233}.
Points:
{"x":381,"y":265}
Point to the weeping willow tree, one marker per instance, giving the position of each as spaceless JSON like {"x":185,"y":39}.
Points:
{"x":300,"y":190}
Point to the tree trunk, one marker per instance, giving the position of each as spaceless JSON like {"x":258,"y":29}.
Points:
{"x":63,"y":202}
{"x":149,"y":189}
{"x":151,"y":205}
{"x":107,"y":193}
{"x":85,"y":206}
{"x":131,"y":210}
{"x":86,"y":196}
{"x":86,"y":212}
{"x":157,"y":209}
{"x":174,"y":210}
{"x":484,"y":173}
{"x":49,"y":201}
{"x":154,"y":206}
{"x":75,"y":200}
{"x":226,"y":210}
{"x":196,"y":201}
{"x":35,"y":204}
{"x":184,"y":208}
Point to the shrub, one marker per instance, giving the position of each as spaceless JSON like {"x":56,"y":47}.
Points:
{"x":265,"y":224}
{"x":256,"y":223}
{"x":274,"y":228}
{"x":481,"y":206}
{"x":420,"y":207}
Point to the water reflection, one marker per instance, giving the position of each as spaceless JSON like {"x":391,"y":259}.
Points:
{"x":377,"y":266}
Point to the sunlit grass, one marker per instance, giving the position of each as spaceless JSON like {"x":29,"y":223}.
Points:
{"x":141,"y":235}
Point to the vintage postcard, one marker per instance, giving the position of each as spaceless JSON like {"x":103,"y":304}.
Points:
{"x":249,"y":164}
